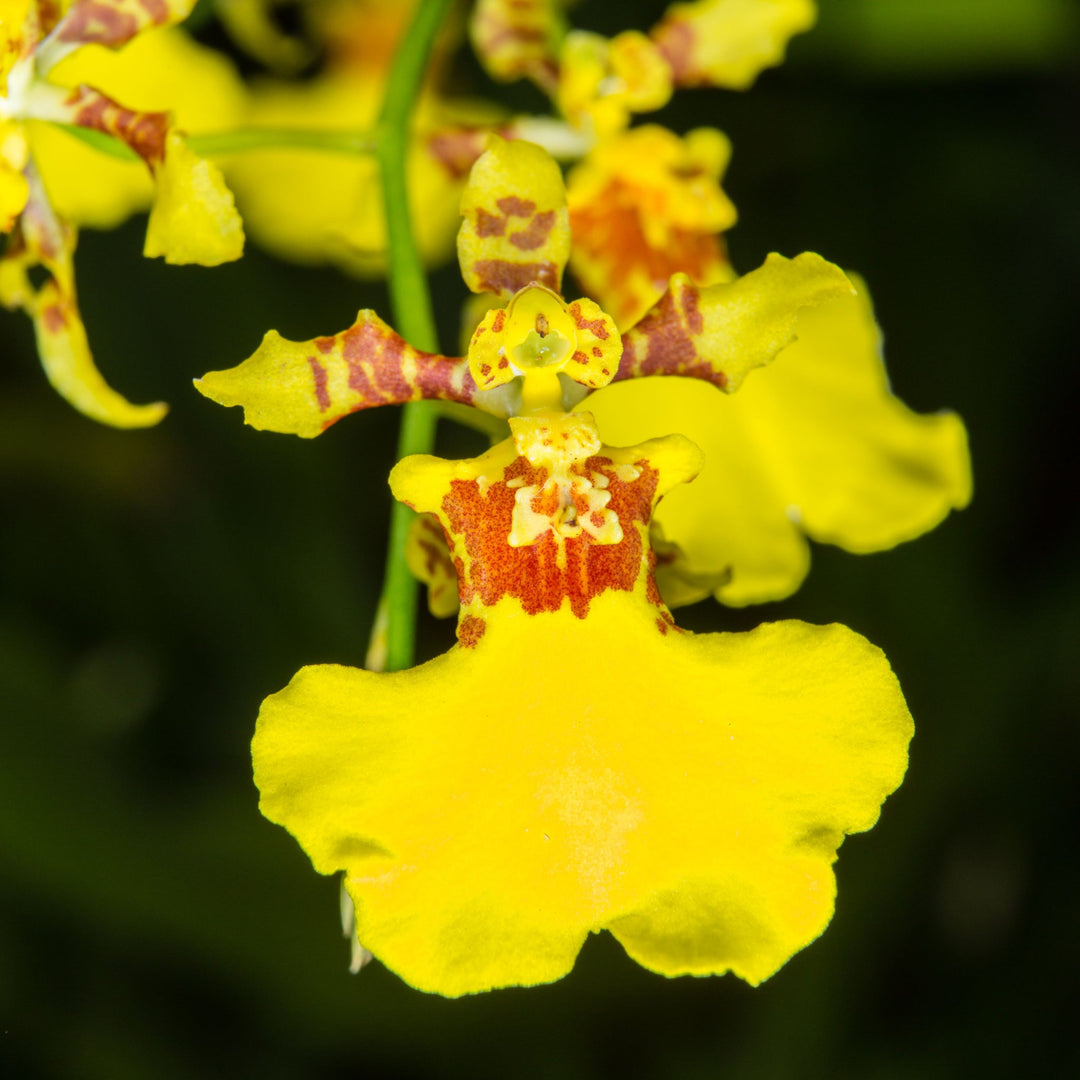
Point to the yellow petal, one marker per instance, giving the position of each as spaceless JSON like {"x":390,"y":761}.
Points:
{"x":194,"y":218}
{"x":518,"y":38}
{"x":729,"y":42}
{"x":12,"y":21}
{"x":13,"y":195}
{"x":516,"y":229}
{"x":428,"y":558}
{"x":493,"y":807}
{"x":302,"y":387}
{"x":602,"y":81}
{"x":721,"y":333}
{"x":106,"y":22}
{"x":69,"y":366}
{"x":814,"y":445}
{"x":157,"y":71}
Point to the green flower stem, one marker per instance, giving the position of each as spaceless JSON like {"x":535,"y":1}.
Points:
{"x":240,"y":140}
{"x":410,"y":300}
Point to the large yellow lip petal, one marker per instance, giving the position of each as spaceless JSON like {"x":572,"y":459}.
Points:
{"x":489,"y":813}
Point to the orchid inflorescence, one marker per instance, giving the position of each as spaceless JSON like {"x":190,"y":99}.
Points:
{"x":576,"y":762}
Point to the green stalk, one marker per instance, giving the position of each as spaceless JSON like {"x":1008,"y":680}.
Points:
{"x":410,"y":300}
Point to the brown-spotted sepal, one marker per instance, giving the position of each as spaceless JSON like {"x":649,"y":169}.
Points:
{"x":723,"y":332}
{"x":516,"y":229}
{"x":42,"y":240}
{"x":302,"y":387}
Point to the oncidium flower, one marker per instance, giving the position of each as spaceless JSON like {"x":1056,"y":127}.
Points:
{"x":597,"y":83}
{"x":193,"y":218}
{"x":576,"y":762}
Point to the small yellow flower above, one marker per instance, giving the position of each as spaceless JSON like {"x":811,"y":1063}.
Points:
{"x":645,"y":205}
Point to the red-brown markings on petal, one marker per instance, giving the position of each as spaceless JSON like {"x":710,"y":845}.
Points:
{"x":436,"y":376}
{"x":54,"y":318}
{"x":100,"y":24}
{"x":457,"y":149}
{"x":498,"y":275}
{"x":661,"y":343}
{"x":513,"y":206}
{"x":675,"y":40}
{"x":158,"y":10}
{"x":489,"y":224}
{"x":529,"y":239}
{"x":318,"y":373}
{"x":470,"y":630}
{"x":144,"y":132}
{"x":695,"y":321}
{"x":489,"y":568}
{"x":597,"y":327}
{"x":610,"y":245}
{"x":499,"y":321}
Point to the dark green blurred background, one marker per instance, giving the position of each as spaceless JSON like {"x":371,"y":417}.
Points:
{"x":155,"y":586}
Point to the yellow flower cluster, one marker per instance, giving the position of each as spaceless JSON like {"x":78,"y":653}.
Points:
{"x":576,"y":762}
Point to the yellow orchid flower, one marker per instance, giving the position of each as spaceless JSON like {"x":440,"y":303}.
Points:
{"x":576,"y":762}
{"x":193,"y":218}
{"x":644,"y":205}
{"x":597,"y":83}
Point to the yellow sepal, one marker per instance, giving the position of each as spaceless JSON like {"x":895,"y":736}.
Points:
{"x":69,"y":365}
{"x":516,"y":230}
{"x":729,"y":42}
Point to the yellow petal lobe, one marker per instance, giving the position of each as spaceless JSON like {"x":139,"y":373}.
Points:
{"x":729,"y":42}
{"x":688,"y":793}
{"x":428,"y":559}
{"x":516,"y":230}
{"x":721,"y":333}
{"x":602,"y":81}
{"x":302,"y":387}
{"x":194,"y":218}
{"x":69,"y":366}
{"x":815,"y":445}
